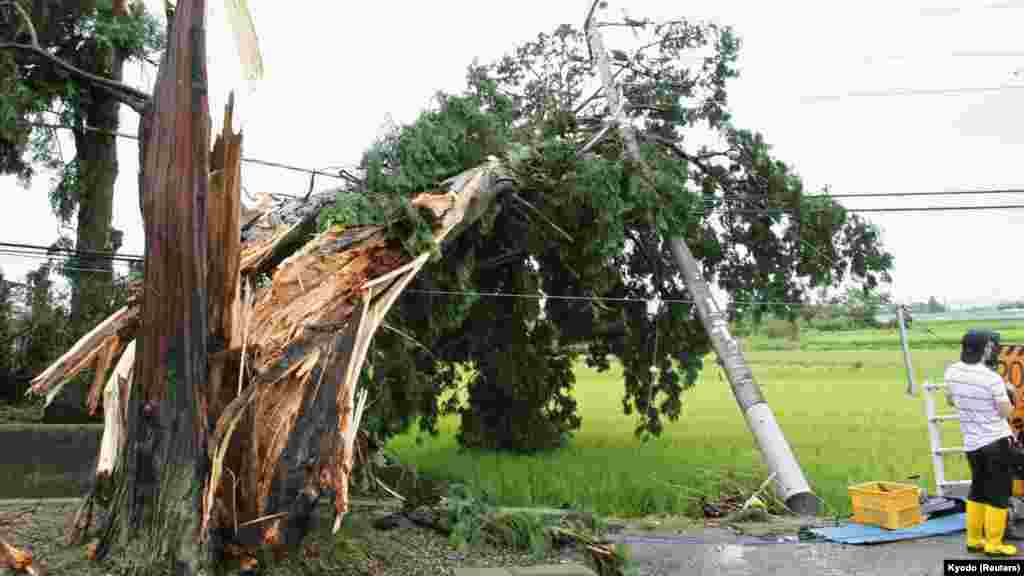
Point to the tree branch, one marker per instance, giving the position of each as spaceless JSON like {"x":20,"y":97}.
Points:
{"x":28,"y":21}
{"x":596,"y":93}
{"x":594,"y":141}
{"x":629,"y":23}
{"x":586,"y":25}
{"x":698,"y":160}
{"x":542,"y":216}
{"x":131,"y":97}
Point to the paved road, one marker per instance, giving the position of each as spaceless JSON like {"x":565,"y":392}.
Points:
{"x":721,"y":553}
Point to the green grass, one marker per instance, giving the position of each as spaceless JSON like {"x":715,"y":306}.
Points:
{"x":846,"y":416}
{"x":845,"y":413}
{"x":920,"y":336}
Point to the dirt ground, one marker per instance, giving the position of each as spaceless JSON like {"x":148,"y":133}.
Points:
{"x":359,"y":550}
{"x":657,"y":546}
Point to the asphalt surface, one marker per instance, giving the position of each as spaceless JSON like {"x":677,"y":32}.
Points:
{"x":720,"y":552}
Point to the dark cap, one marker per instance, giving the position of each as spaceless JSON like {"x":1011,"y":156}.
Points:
{"x":974,"y":340}
{"x":972,"y":346}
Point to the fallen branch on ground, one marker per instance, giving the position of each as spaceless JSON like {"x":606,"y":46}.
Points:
{"x":19,"y":560}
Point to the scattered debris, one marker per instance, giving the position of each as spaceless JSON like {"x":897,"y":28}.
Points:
{"x":19,"y":560}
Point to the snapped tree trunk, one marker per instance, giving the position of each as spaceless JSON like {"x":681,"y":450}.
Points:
{"x":284,"y":431}
{"x":260,"y":389}
{"x":165,"y":460}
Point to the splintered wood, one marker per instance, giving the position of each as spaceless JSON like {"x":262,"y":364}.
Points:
{"x":18,"y":560}
{"x":224,"y":212}
{"x":287,"y":434}
{"x":84,"y":352}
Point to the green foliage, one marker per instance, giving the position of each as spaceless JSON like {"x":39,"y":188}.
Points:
{"x":474,"y":522}
{"x":84,"y":34}
{"x":503,"y":363}
{"x":933,"y":306}
{"x":467,"y":516}
{"x":36,"y":333}
{"x":138,"y":36}
{"x":457,"y":135}
{"x":853,"y":308}
{"x":7,"y":337}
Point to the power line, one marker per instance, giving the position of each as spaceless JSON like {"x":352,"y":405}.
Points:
{"x":781,"y":211}
{"x":72,"y":251}
{"x":340,"y":175}
{"x":54,"y":258}
{"x":882,"y":308}
{"x":66,"y":268}
{"x":910,"y":194}
{"x":937,"y":208}
{"x":910,"y":92}
{"x":45,"y":252}
{"x":954,"y":54}
{"x":953,"y":10}
{"x":135,"y":137}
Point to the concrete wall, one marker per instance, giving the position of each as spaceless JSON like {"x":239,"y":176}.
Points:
{"x":47,"y":460}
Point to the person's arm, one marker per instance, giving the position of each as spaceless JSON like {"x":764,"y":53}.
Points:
{"x":1004,"y":397}
{"x":947,"y":387}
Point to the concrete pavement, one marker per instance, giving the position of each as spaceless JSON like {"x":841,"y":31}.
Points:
{"x":544,"y":570}
{"x":721,"y":553}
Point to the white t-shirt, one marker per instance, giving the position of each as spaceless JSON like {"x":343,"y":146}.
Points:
{"x":975,"y":389}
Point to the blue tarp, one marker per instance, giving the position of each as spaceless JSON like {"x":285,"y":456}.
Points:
{"x":864,"y":534}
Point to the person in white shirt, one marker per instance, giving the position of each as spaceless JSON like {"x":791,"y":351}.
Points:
{"x":984,"y":402}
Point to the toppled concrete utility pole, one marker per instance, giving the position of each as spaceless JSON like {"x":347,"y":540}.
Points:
{"x":791,"y":486}
{"x":900,"y":320}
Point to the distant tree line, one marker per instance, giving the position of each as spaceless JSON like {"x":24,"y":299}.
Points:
{"x":932,"y":306}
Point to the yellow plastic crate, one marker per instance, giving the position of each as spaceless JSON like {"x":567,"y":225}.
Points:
{"x":887,"y":504}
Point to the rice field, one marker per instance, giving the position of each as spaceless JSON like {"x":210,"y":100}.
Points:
{"x":841,"y":403}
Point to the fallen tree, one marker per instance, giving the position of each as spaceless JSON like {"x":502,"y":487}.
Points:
{"x":241,"y":406}
{"x":286,"y":433}
{"x":241,"y":409}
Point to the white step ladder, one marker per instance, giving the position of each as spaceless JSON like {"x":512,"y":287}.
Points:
{"x":943,"y":487}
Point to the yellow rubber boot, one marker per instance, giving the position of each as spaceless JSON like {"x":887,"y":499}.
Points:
{"x":975,"y":527}
{"x":995,"y":527}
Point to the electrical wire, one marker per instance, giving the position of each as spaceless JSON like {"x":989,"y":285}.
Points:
{"x":135,"y":137}
{"x":65,"y":267}
{"x":539,"y":296}
{"x":609,"y":299}
{"x":343,"y":177}
{"x":914,"y":194}
{"x":910,"y":92}
{"x":815,"y":209}
{"x":91,"y":254}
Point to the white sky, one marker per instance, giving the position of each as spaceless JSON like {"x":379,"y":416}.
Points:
{"x":335,"y":71}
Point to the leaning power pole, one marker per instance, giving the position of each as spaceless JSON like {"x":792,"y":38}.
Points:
{"x":791,"y":486}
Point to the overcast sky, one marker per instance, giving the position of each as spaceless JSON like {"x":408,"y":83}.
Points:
{"x":335,"y":71}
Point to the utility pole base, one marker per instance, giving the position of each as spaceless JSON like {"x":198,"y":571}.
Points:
{"x":803,"y":504}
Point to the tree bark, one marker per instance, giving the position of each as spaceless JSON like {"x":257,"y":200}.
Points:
{"x":96,"y":159}
{"x":165,"y":454}
{"x":96,"y":153}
